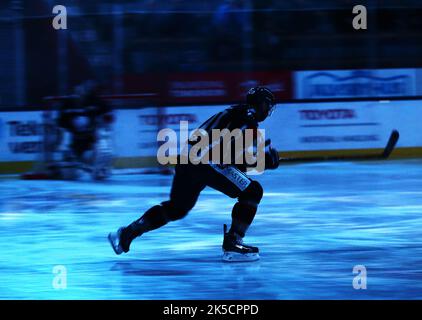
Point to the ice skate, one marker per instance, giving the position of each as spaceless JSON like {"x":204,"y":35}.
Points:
{"x":118,"y":242}
{"x":234,"y":250}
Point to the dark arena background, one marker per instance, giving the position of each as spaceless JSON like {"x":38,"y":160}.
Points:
{"x":338,"y":219}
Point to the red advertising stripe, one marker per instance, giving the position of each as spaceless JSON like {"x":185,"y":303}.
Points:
{"x":217,"y":87}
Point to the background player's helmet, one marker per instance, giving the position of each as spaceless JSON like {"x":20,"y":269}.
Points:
{"x":87,"y":89}
{"x":262,"y":100}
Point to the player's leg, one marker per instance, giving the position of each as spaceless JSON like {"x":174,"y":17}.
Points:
{"x":245,"y":209}
{"x":243,"y":213}
{"x":236,"y":184}
{"x":183,"y":196}
{"x":102,"y":160}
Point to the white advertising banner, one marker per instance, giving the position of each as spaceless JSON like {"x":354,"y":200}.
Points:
{"x":136,"y":130}
{"x":292,"y":127}
{"x":344,"y":125}
{"x":334,"y":84}
{"x":20,"y":135}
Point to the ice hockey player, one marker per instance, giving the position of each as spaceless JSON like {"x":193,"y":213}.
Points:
{"x":82,"y":115}
{"x":191,"y":179}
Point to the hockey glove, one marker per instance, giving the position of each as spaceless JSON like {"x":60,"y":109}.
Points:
{"x":271,"y":158}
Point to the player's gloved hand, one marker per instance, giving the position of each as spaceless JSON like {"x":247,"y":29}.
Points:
{"x":271,"y":158}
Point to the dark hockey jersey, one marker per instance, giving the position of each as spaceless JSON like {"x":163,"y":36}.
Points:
{"x":232,"y":150}
{"x":236,"y":117}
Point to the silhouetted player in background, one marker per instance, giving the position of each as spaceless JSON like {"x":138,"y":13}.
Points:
{"x":82,"y":116}
{"x":191,"y":179}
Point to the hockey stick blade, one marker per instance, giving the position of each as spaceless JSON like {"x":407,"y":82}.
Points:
{"x":394,"y":137}
{"x":391,"y":144}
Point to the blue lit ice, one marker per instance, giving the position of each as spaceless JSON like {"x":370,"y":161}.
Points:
{"x":315,"y":223}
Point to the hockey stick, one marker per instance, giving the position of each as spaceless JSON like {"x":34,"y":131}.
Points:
{"x":392,"y":141}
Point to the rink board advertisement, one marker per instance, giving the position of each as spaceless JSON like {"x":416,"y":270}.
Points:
{"x":344,"y":125}
{"x":208,"y":87}
{"x":294,"y":128}
{"x":303,"y":127}
{"x":136,"y":130}
{"x":20,"y":135}
{"x":334,"y":84}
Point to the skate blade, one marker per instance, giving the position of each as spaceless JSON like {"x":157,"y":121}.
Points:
{"x":113,"y":239}
{"x":240,"y":257}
